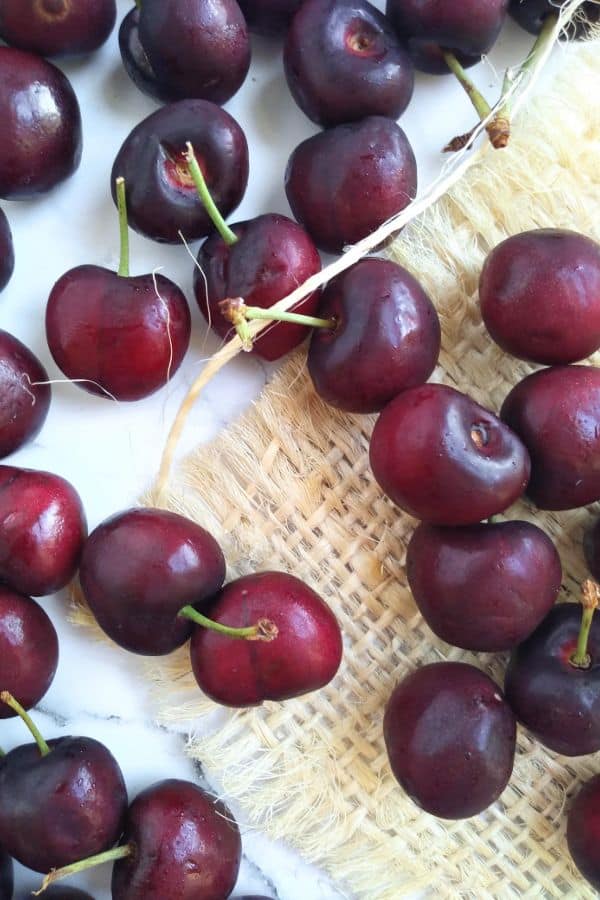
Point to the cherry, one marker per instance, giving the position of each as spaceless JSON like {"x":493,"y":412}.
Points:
{"x":57,"y":27}
{"x":343,"y":62}
{"x":24,"y":394}
{"x":302,"y":652}
{"x":161,"y":195}
{"x":7,"y":253}
{"x":115,"y":334}
{"x":60,"y":800}
{"x":41,"y":132}
{"x":386,"y":334}
{"x":483,"y":587}
{"x":66,"y":893}
{"x":532,"y":14}
{"x":450,"y":737}
{"x":591,"y":548}
{"x":42,"y":529}
{"x":583,"y":831}
{"x":553,"y":678}
{"x":445,"y":459}
{"x":540,"y":295}
{"x":556,"y":413}
{"x":6,"y":876}
{"x":140,"y":568}
{"x":28,"y":650}
{"x":270,"y":18}
{"x":345,"y":182}
{"x":181,"y":49}
{"x":468,"y":29}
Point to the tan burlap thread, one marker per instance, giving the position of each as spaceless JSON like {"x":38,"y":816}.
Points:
{"x":289,"y":487}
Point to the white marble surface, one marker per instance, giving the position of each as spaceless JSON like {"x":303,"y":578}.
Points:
{"x":110,"y":451}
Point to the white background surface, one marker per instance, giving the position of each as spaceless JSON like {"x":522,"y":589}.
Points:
{"x":109,"y":451}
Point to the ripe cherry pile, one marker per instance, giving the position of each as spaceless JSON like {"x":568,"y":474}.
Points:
{"x":155,"y":580}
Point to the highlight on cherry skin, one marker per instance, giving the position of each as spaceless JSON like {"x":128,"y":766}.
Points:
{"x":24,"y":394}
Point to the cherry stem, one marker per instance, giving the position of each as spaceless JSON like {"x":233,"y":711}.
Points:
{"x":215,"y":216}
{"x":590,"y":596}
{"x":538,"y":48}
{"x":7,"y":698}
{"x":264,"y":630}
{"x":235,"y":311}
{"x":123,"y":228}
{"x":120,"y":852}
{"x":498,"y":128}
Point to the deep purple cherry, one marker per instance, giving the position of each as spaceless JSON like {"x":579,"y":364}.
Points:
{"x":270,"y":18}
{"x":24,"y":394}
{"x":583,"y":831}
{"x":135,"y":60}
{"x":450,"y":738}
{"x":343,"y":61}
{"x":533,"y":14}
{"x":41,"y":125}
{"x":57,"y":27}
{"x":445,"y":459}
{"x":62,"y":892}
{"x":7,"y":253}
{"x":6,"y":876}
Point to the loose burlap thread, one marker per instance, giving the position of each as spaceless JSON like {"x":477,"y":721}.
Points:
{"x":289,"y":487}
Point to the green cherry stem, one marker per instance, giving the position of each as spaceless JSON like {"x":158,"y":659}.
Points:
{"x":498,"y":127}
{"x":113,"y":855}
{"x":123,"y":228}
{"x":235,"y":311}
{"x":7,"y":698}
{"x":264,"y":630}
{"x":539,"y":47}
{"x":215,"y":216}
{"x":590,"y":596}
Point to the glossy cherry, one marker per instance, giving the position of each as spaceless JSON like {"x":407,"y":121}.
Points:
{"x":557,"y":700}
{"x":42,"y":530}
{"x":445,"y":459}
{"x":345,"y":182}
{"x":386,"y":337}
{"x":304,"y":654}
{"x":532,"y":14}
{"x":28,"y":650}
{"x":483,"y":587}
{"x":6,"y":876}
{"x":540,"y":295}
{"x":182,"y":49}
{"x":583,"y":831}
{"x":24,"y":394}
{"x":468,"y":29}
{"x":556,"y":413}
{"x":450,"y":738}
{"x":162,"y":199}
{"x":57,"y":27}
{"x":60,"y":801}
{"x":140,"y":568}
{"x":343,"y":61}
{"x":114,"y":334}
{"x":7,"y":253}
{"x":270,"y":18}
{"x":41,"y":125}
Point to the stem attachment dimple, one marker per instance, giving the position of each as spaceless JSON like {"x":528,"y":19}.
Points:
{"x":8,"y":698}
{"x":590,"y":598}
{"x":209,"y":204}
{"x":264,"y":630}
{"x":123,"y":228}
{"x":112,"y":855}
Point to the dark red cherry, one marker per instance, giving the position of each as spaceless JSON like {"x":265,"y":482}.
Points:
{"x":483,"y":587}
{"x":185,"y":844}
{"x":556,"y":700}
{"x":556,"y":413}
{"x":583,"y":831}
{"x":42,"y":530}
{"x":6,"y":876}
{"x":188,"y":49}
{"x":28,"y":650}
{"x":386,"y":338}
{"x":270,"y":18}
{"x":60,"y":805}
{"x":445,"y":459}
{"x":591,"y":547}
{"x":345,"y":182}
{"x":7,"y":253}
{"x":161,"y":196}
{"x":531,"y":15}
{"x":271,"y":256}
{"x":57,"y":27}
{"x":140,"y":568}
{"x":469,"y":29}
{"x":540,"y":295}
{"x":24,"y":394}
{"x":41,"y":125}
{"x":135,"y":60}
{"x":450,"y":738}
{"x":343,"y":62}
{"x":304,"y":655}
{"x":123,"y":337}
